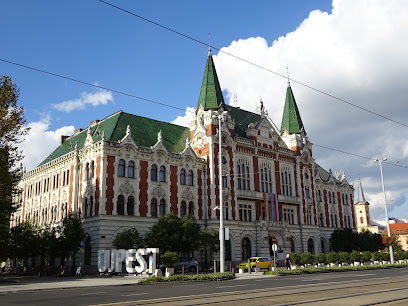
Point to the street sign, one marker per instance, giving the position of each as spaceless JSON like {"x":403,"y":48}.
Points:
{"x":274,"y":247}
{"x":82,"y":244}
{"x":274,"y":240}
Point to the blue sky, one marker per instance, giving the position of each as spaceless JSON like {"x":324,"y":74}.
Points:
{"x":349,"y":48}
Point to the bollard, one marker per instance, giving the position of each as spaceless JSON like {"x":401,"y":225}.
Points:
{"x":182,"y":270}
{"x":249,"y":266}
{"x":197,"y":269}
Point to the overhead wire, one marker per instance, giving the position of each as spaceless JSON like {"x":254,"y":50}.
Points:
{"x":253,"y":64}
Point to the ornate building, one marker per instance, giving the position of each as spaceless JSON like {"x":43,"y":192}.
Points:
{"x":125,"y":171}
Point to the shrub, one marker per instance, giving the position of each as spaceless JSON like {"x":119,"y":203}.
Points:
{"x":385,"y":256}
{"x":193,"y":277}
{"x":344,"y":257}
{"x":355,"y":257}
{"x":366,"y":256}
{"x":307,"y":258}
{"x":376,"y":256}
{"x":399,"y":255}
{"x":332,"y":257}
{"x":169,"y":259}
{"x":295,"y":258}
{"x":321,"y":258}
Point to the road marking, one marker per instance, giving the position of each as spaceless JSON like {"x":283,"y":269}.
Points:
{"x":324,"y":278}
{"x":188,"y":286}
{"x":235,"y":286}
{"x":134,"y":294}
{"x":90,"y":293}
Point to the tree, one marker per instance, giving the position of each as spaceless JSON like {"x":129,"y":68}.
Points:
{"x":71,"y":234}
{"x":12,"y":130}
{"x":190,"y":234}
{"x":343,"y":240}
{"x":209,"y":242}
{"x":128,"y":239}
{"x":166,"y":234}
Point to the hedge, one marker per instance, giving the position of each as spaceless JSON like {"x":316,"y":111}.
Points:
{"x":184,"y":278}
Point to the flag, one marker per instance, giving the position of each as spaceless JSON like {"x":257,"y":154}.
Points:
{"x":273,"y":211}
{"x":266,"y":200}
{"x":277,"y":207}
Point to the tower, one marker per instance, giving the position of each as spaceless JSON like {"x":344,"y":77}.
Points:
{"x":362,"y":210}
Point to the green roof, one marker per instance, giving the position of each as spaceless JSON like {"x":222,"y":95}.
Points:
{"x":211,"y":94}
{"x":242,"y":119}
{"x":144,"y":133}
{"x":291,"y":120}
{"x":325,"y":176}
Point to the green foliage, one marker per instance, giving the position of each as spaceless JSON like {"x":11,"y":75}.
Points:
{"x":344,"y":257}
{"x":333,"y":257}
{"x":71,"y":234}
{"x":296,"y":260}
{"x":355,"y":257}
{"x":209,"y":241}
{"x":193,"y":277}
{"x":367,"y":241}
{"x":321,"y":258}
{"x":307,"y":258}
{"x":399,"y":255}
{"x":23,"y":241}
{"x":12,"y":131}
{"x":169,"y":259}
{"x":345,"y":240}
{"x":190,"y":234}
{"x":376,"y":256}
{"x":366,"y":256}
{"x":384,"y":256}
{"x":128,"y":239}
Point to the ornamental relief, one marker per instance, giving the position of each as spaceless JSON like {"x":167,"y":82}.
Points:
{"x":158,"y":192}
{"x":64,"y":196}
{"x":187,"y":195}
{"x":88,"y":190}
{"x":126,"y":188}
{"x":54,"y":198}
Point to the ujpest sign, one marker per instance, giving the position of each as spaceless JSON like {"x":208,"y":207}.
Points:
{"x":111,"y":260}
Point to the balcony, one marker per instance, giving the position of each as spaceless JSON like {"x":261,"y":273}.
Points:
{"x":289,"y":199}
{"x":249,"y":194}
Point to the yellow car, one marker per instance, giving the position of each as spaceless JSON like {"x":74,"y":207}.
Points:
{"x":258,"y":262}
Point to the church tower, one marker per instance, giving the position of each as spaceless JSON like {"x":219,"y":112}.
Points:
{"x":362,"y":210}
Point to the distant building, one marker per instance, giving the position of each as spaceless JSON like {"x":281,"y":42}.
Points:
{"x":401,"y":231}
{"x":126,"y":171}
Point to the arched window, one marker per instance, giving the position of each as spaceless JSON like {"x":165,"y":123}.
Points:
{"x":90,"y":206}
{"x":191,"y":208}
{"x":286,"y":181}
{"x":310,"y":246}
{"x":190,"y":178}
{"x":121,"y":205}
{"x":266,"y":177}
{"x":92,"y":170}
{"x":153,"y":173}
{"x":130,"y":206}
{"x":183,"y":177}
{"x":85,"y":206}
{"x":153,"y":208}
{"x":246,"y":248}
{"x":88,"y":250}
{"x":121,"y":168}
{"x":162,"y":207}
{"x":243,"y":175}
{"x":162,"y":174}
{"x":131,"y":169}
{"x":183,"y":208}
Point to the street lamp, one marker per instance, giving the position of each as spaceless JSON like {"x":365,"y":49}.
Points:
{"x":221,"y":118}
{"x":385,"y":205}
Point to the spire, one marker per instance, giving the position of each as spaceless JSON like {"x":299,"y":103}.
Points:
{"x":291,"y":120}
{"x":360,"y":193}
{"x":211,"y":95}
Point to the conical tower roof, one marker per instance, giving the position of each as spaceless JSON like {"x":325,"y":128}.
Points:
{"x":291,"y":120}
{"x":360,"y":194}
{"x":211,"y":94}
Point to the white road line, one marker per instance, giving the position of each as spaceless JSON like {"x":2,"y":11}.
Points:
{"x":134,"y":294}
{"x":324,"y":278}
{"x":91,"y":293}
{"x":235,"y":286}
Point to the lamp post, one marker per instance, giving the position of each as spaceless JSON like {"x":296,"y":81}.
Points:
{"x":386,"y":209}
{"x":221,"y":118}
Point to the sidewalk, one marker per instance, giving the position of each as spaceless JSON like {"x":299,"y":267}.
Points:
{"x":48,"y":283}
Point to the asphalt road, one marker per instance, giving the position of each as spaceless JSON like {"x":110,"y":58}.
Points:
{"x":355,"y":288}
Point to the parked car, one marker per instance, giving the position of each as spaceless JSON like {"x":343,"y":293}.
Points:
{"x":258,"y":262}
{"x":189,"y":263}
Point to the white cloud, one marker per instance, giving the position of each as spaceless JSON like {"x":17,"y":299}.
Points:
{"x":39,"y":142}
{"x":186,"y":119}
{"x":357,"y":53}
{"x":101,"y":97}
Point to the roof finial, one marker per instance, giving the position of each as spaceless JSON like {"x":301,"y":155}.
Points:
{"x":209,"y":43}
{"x":287,"y":71}
{"x":262,"y":108}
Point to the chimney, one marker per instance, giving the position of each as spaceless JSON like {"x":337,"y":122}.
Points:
{"x":63,"y":138}
{"x":77,"y":131}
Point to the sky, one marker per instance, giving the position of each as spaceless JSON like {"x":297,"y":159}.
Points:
{"x":353,"y":50}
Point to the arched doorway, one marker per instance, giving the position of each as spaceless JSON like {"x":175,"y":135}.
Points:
{"x":292,"y":245}
{"x":322,"y":245}
{"x":310,"y":246}
{"x":246,"y":248}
